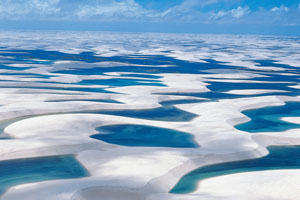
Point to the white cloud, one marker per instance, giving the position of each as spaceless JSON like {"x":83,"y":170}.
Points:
{"x":235,"y":13}
{"x":281,"y":9}
{"x":220,"y":14}
{"x":239,"y":12}
{"x":12,"y":9}
{"x":17,"y":9}
{"x":126,"y":8}
{"x":203,"y":11}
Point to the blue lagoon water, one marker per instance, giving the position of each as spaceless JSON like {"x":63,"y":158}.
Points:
{"x":28,"y":170}
{"x":280,"y":157}
{"x":121,"y":82}
{"x":267,"y":119}
{"x":141,"y":135}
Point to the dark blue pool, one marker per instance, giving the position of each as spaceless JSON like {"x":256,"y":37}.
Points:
{"x":141,"y":135}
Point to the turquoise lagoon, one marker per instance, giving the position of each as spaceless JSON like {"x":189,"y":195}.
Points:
{"x":268,"y":119}
{"x":29,"y":170}
{"x":279,"y":157}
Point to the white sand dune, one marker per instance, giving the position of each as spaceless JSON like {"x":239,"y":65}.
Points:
{"x":41,"y":120}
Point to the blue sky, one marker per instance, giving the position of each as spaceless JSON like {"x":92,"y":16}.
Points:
{"x":200,"y":16}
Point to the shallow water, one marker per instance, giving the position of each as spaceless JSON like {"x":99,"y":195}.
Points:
{"x":267,"y":119}
{"x":28,"y":170}
{"x":280,"y":157}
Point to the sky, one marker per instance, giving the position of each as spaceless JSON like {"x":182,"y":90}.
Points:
{"x":275,"y":17}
